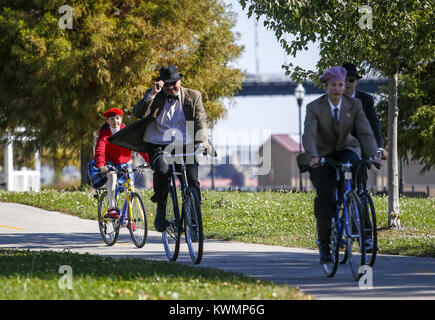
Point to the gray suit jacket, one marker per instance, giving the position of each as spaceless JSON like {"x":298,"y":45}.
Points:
{"x":319,"y":138}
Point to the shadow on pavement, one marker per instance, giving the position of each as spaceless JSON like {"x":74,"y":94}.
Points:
{"x":393,"y":276}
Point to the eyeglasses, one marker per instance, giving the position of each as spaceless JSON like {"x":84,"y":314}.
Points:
{"x":169,"y":84}
{"x":350,"y":80}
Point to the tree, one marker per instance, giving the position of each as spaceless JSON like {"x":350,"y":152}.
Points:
{"x":388,"y":36}
{"x":56,"y":82}
{"x":417,"y":122}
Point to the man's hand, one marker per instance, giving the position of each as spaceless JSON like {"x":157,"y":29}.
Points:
{"x":207,"y":146}
{"x":384,"y":155}
{"x":104,"y":169}
{"x":157,"y":88}
{"x":314,"y":162}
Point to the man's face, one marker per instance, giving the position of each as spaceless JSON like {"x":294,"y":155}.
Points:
{"x":335,"y":89}
{"x":114,"y":121}
{"x":351,"y":84}
{"x":172,"y":88}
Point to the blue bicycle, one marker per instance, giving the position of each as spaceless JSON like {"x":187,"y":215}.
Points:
{"x":348,"y":230}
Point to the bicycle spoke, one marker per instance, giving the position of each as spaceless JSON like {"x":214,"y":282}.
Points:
{"x":108,"y":230}
{"x":171,"y":236}
{"x":194,"y":232}
{"x":370,"y":229}
{"x":355,"y":241}
{"x":138,"y":225}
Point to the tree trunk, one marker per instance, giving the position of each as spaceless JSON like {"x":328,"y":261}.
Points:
{"x":393,"y":159}
{"x":86,"y":155}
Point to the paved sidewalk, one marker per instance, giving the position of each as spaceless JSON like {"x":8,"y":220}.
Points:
{"x":394,"y":277}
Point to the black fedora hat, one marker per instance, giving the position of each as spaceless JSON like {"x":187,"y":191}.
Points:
{"x":351,"y":70}
{"x":169,"y":74}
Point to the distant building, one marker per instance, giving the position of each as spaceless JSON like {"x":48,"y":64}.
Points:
{"x":284,"y":170}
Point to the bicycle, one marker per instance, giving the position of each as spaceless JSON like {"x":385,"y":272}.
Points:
{"x":367,"y":211}
{"x":348,"y":226}
{"x":133,"y":215}
{"x":190,"y":220}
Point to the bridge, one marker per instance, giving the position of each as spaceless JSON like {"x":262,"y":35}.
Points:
{"x":273,"y":87}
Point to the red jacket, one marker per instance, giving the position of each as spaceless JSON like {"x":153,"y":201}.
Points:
{"x":107,"y":151}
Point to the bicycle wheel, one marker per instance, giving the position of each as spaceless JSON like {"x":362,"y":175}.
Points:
{"x":193,"y":223}
{"x":331,"y":268}
{"x":370,"y":228}
{"x":355,"y":239}
{"x":138,"y":224}
{"x":109,"y":228}
{"x":171,"y":236}
{"x":343,"y":255}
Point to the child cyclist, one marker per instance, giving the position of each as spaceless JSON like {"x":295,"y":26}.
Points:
{"x":108,"y":153}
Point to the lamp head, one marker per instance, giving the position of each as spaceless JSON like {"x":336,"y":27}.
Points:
{"x":300,"y":91}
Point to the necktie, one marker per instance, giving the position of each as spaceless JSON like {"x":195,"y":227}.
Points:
{"x":336,"y":121}
{"x":172,"y":98}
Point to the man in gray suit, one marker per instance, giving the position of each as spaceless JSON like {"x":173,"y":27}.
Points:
{"x":329,"y":123}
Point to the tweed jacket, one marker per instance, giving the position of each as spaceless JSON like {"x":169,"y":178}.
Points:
{"x":131,"y":137}
{"x":319,"y":137}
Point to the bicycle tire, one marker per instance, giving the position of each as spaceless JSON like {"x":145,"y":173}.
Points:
{"x":138,"y":215}
{"x":193,"y":225}
{"x":331,"y":268}
{"x":171,"y":236}
{"x":109,"y":229}
{"x":342,"y":258}
{"x":370,"y":227}
{"x":355,"y":240}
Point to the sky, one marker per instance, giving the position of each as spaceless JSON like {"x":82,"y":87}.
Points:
{"x":274,"y":114}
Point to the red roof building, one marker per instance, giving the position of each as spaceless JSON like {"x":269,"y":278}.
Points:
{"x":281,"y":150}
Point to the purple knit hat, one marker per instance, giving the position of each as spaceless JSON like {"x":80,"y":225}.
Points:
{"x":334,"y":74}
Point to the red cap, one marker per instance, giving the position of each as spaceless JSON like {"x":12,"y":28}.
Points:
{"x":112,"y":112}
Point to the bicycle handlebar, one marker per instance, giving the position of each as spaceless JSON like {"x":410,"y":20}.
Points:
{"x":199,"y":149}
{"x":337,"y":164}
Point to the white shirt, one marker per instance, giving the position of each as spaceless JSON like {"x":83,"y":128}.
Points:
{"x":169,"y":126}
{"x":333,"y":107}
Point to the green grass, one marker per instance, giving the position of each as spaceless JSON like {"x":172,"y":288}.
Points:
{"x":277,"y":218}
{"x":26,"y":275}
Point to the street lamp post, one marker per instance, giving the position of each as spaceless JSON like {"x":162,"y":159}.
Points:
{"x":299,"y":94}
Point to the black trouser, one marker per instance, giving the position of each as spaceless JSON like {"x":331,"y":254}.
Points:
{"x":324,"y":179}
{"x":163,"y":172}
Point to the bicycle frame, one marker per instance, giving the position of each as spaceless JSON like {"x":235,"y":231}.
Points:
{"x":128,"y":188}
{"x":184,"y":183}
{"x":344,"y":175}
{"x":127,"y":201}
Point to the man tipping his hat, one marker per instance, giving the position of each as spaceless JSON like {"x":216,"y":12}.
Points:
{"x":167,"y":112}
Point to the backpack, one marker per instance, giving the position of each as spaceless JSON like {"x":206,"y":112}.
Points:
{"x":98,"y":179}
